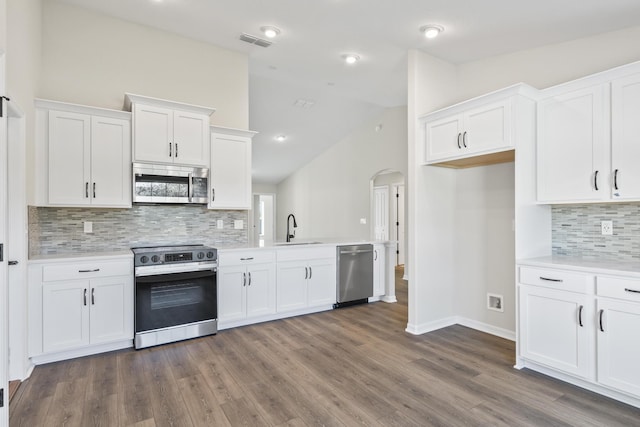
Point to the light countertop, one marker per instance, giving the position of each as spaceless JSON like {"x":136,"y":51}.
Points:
{"x":82,"y":256}
{"x":268,"y":244}
{"x":590,"y":265}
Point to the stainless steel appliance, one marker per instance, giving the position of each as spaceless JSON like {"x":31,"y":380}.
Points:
{"x":355,"y":274}
{"x":170,"y":184}
{"x":175,"y":293}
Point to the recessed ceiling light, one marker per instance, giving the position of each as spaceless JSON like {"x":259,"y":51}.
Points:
{"x":281,"y":138}
{"x":270,"y":32}
{"x":351,"y":58}
{"x":431,"y":31}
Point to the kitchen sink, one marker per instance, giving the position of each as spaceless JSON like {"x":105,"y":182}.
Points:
{"x":296,"y":243}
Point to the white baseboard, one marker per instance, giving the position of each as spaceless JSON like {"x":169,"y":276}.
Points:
{"x":431,"y":326}
{"x":457,"y":320}
{"x":388,"y":298}
{"x":485,"y":327}
{"x":80,"y":352}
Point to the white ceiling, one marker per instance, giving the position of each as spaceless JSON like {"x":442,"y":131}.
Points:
{"x":304,"y":61}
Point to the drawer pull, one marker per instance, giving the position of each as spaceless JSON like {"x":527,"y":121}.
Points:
{"x":580,"y":316}
{"x":600,"y":320}
{"x":246,"y":259}
{"x":551,"y":280}
{"x":95,"y":270}
{"x":633,"y":291}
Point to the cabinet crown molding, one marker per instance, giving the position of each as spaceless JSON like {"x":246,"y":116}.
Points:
{"x":48,"y":104}
{"x":233,"y":131}
{"x":130,"y":99}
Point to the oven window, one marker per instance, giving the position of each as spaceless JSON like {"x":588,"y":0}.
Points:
{"x":175,"y":299}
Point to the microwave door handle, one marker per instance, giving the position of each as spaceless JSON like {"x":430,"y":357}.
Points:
{"x":190,"y":187}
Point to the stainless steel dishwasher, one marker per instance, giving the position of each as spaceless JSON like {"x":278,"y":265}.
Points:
{"x":355,"y":274}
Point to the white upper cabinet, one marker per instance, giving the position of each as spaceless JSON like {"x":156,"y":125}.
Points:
{"x":476,"y":129}
{"x":169,"y":132}
{"x":572,"y":147}
{"x":625,"y":137}
{"x":587,"y":139}
{"x":230,"y":174}
{"x":83,"y":156}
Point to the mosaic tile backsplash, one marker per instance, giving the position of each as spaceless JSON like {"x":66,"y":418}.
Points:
{"x":576,"y":231}
{"x":61,"y":230}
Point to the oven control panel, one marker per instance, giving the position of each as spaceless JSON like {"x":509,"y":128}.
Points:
{"x":173,"y":255}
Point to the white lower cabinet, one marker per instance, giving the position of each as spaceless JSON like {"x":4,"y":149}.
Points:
{"x":246,"y":285}
{"x":76,"y":306}
{"x":569,"y":327}
{"x":306,"y":278}
{"x":554,"y":329}
{"x":306,"y":283}
{"x":379,"y":270}
{"x":246,"y":289}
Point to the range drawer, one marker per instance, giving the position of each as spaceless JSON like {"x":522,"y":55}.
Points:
{"x":618,"y":287}
{"x":557,"y":279}
{"x":249,"y":257}
{"x":86,"y":270}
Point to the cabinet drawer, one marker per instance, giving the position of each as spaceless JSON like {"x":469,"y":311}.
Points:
{"x":618,"y":287}
{"x":86,"y":270}
{"x":242,"y":258}
{"x":556,"y":279}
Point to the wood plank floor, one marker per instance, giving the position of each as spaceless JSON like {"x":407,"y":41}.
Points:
{"x":353,"y":366}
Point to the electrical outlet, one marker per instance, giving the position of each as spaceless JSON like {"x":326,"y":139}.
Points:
{"x":88,"y":227}
{"x":495,"y":302}
{"x":363,"y":221}
{"x":607,"y":228}
{"x":220,"y":224}
{"x":238,"y":224}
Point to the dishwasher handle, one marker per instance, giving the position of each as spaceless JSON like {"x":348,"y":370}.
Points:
{"x":352,"y":252}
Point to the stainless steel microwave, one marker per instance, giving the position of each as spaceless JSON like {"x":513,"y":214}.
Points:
{"x":155,"y":183}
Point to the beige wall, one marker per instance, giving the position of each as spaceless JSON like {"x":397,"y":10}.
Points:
{"x":440,"y":288}
{"x":330,"y":194}
{"x":94,"y":59}
{"x":3,"y":25}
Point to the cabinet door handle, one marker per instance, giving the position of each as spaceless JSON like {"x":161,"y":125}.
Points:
{"x":213,"y":194}
{"x":375,"y":255}
{"x":244,"y":279}
{"x":600,"y":320}
{"x":95,"y":270}
{"x":633,"y":291}
{"x":595,"y":180}
{"x":86,"y":190}
{"x":176,"y":150}
{"x":464,"y":139}
{"x":94,"y":190}
{"x":580,"y":316}
{"x":93,"y":296}
{"x":551,"y":280}
{"x":306,"y":273}
{"x":615,"y":179}
{"x":249,"y":278}
{"x":459,"y":135}
{"x":246,"y":259}
{"x":84,"y":297}
{"x":310,"y":272}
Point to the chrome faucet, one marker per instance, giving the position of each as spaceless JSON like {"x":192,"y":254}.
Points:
{"x":289,"y":235}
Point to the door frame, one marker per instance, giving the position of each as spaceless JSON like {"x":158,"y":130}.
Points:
{"x":4,"y":290}
{"x":252,"y":223}
{"x":374,"y":219}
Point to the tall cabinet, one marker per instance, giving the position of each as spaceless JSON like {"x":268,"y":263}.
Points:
{"x":230,"y":168}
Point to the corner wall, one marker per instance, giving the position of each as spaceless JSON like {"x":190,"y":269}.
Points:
{"x":540,"y":67}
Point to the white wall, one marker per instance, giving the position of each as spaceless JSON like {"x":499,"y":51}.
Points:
{"x":484,"y":191}
{"x":94,"y":59}
{"x":329,"y":195}
{"x":431,"y":261}
{"x":24,"y":47}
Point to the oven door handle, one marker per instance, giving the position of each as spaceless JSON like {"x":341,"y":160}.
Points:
{"x":172,"y":276}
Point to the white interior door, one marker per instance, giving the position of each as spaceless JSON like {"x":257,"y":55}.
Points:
{"x":4,"y":321}
{"x":381,"y":212}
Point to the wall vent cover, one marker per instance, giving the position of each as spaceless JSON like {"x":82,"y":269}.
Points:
{"x":254,"y":40}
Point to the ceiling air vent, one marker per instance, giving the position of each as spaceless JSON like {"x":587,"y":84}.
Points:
{"x":254,"y":40}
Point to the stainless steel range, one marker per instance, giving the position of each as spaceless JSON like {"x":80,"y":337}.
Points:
{"x":176,"y":293}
